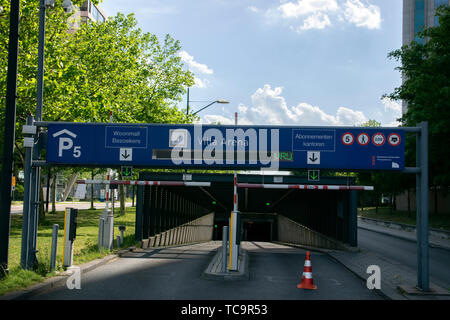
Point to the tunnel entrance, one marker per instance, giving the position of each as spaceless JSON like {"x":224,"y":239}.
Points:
{"x":329,"y":211}
{"x":255,"y":227}
{"x":257,"y":231}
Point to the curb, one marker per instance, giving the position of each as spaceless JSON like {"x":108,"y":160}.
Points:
{"x":242,"y":274}
{"x":439,"y":233}
{"x":430,"y":244}
{"x":58,"y":280}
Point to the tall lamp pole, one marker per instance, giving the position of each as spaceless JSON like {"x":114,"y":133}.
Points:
{"x":9,"y":137}
{"x":32,"y":175}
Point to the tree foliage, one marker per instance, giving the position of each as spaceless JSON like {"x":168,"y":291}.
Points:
{"x":98,"y":68}
{"x":426,"y":90}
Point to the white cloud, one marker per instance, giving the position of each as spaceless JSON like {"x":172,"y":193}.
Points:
{"x":242,"y":108}
{"x":393,"y":110}
{"x":316,"y":21}
{"x":269,"y":107}
{"x":390,"y":105}
{"x":362,"y":15}
{"x":304,"y":15}
{"x":253,"y":9}
{"x":193,"y":65}
{"x":304,"y":7}
{"x":196,"y":68}
{"x":200,"y":83}
{"x":215,"y":118}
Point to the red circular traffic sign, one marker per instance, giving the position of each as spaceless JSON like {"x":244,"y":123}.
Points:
{"x":363,"y":139}
{"x":348,"y":138}
{"x":378,"y":139}
{"x":394,"y":139}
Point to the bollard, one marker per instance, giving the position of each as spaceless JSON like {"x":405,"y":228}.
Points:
{"x":101,"y":227}
{"x":121,"y":229}
{"x":224,"y":248}
{"x":54,"y":246}
{"x":108,"y":231}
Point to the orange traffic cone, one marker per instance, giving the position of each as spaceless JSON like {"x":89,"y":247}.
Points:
{"x":307,"y":279}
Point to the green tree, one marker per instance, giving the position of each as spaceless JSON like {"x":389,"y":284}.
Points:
{"x":426,"y":90}
{"x":98,"y":68}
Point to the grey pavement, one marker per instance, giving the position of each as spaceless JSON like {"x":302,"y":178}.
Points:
{"x":403,"y":234}
{"x":395,"y":252}
{"x":175,"y":273}
{"x":404,"y":252}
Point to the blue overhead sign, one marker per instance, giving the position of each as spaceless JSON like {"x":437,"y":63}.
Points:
{"x":220,"y":147}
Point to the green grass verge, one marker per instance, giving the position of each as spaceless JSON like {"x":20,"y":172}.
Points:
{"x":437,"y":221}
{"x":85,"y":245}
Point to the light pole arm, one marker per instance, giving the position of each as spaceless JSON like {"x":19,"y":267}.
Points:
{"x":204,"y":107}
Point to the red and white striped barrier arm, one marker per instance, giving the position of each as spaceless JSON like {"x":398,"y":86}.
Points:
{"x":304,"y":186}
{"x":147,"y":183}
{"x":235,"y":193}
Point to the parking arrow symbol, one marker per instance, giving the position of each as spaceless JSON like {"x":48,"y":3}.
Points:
{"x":126,"y":154}
{"x":313,"y":157}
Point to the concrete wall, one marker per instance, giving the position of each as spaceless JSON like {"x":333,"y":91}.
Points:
{"x":443,"y":202}
{"x":292,"y":232}
{"x":198,"y":230}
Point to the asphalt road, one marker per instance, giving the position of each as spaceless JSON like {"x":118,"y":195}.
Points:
{"x":175,"y":273}
{"x":405,"y":253}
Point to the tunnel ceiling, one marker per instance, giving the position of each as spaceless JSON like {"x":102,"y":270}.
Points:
{"x":219,"y":196}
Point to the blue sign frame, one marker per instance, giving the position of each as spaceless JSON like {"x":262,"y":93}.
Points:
{"x":225,"y":147}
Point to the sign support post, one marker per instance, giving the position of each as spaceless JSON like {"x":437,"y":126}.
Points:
{"x":25,"y":258}
{"x":423,"y":281}
{"x":315,"y":148}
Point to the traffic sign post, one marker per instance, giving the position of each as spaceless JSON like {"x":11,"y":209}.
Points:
{"x":243,"y":147}
{"x":423,"y":273}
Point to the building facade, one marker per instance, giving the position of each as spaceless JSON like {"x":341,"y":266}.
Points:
{"x":87,"y":12}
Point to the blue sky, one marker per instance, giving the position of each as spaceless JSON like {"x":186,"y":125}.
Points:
{"x":288,"y":62}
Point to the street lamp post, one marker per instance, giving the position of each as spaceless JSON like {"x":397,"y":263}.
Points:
{"x":32,"y":180}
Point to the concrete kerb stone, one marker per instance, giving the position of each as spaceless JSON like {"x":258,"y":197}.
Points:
{"x":440,"y":233}
{"x":242,"y":274}
{"x":61,"y":277}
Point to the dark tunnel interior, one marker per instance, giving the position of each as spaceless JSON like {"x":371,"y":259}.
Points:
{"x":324,"y":211}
